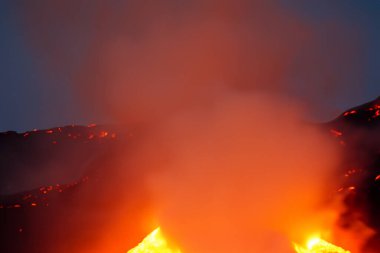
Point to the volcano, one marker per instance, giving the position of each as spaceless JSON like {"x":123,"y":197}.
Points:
{"x":56,"y":192}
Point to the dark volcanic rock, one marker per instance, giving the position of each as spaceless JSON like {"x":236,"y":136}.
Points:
{"x":358,"y":132}
{"x":52,"y":156}
{"x":60,"y":192}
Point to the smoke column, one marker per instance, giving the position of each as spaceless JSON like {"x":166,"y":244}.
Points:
{"x":240,"y":173}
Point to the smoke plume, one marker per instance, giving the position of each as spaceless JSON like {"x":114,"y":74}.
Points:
{"x":237,"y":174}
{"x":215,"y":91}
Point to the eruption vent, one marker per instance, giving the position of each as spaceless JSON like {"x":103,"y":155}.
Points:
{"x":317,"y":245}
{"x":154,"y":243}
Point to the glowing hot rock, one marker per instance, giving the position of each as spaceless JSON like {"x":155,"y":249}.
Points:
{"x":317,"y":245}
{"x":154,"y":243}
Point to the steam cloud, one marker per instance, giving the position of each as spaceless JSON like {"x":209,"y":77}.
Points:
{"x":211,"y":87}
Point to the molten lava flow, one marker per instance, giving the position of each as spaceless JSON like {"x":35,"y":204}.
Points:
{"x":154,"y":243}
{"x":317,"y":245}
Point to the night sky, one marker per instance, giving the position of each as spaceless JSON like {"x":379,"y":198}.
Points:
{"x":35,"y":96}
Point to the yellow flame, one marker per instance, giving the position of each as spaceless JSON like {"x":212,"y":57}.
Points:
{"x":318,"y":245}
{"x":154,"y":243}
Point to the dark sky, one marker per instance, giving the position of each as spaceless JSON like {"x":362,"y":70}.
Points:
{"x":31,"y":96}
{"x":34,"y":96}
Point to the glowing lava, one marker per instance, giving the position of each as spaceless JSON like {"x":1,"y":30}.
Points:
{"x":154,"y":243}
{"x":317,"y":245}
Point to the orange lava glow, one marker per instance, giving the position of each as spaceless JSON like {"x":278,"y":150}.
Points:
{"x":336,"y":133}
{"x":154,"y":243}
{"x":318,"y":245}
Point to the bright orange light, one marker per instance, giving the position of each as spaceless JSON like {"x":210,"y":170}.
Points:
{"x":154,"y":243}
{"x":318,"y":245}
